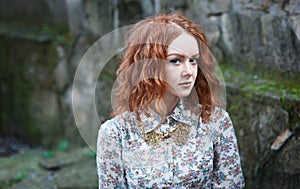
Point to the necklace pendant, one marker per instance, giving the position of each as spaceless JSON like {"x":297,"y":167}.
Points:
{"x":179,"y":135}
{"x":166,"y":135}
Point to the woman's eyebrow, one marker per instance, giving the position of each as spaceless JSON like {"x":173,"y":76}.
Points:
{"x":176,"y":54}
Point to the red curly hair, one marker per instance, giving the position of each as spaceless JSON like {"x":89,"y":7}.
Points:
{"x":140,"y":75}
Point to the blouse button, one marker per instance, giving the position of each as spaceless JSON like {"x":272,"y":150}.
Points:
{"x":136,"y":172}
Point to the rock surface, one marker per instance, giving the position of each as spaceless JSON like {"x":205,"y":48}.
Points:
{"x":70,"y":169}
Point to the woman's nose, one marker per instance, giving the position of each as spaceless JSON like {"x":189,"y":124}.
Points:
{"x":187,"y":69}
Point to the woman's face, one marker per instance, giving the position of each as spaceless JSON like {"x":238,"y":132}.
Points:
{"x":181,"y":66}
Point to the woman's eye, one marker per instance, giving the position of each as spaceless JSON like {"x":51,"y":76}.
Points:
{"x":194,"y":60}
{"x":175,"y":60}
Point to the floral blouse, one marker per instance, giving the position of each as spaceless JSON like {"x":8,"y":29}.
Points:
{"x":208,"y":159}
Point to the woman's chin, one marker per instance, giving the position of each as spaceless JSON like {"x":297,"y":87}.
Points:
{"x":183,"y":95}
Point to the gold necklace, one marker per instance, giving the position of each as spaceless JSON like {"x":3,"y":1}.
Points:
{"x":179,"y":134}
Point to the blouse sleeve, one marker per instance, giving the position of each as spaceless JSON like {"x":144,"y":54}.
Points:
{"x":109,"y":164}
{"x":227,"y":165}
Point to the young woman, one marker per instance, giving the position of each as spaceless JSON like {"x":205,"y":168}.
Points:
{"x":168,"y":128}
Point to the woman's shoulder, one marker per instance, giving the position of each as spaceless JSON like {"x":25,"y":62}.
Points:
{"x":219,"y":114}
{"x":220,"y":120}
{"x":111,"y":132}
{"x":120,"y":121}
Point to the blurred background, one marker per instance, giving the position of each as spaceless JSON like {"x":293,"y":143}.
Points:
{"x":256,"y":44}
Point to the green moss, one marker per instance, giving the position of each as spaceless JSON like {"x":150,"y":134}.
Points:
{"x":18,"y":168}
{"x":48,"y":154}
{"x":19,"y":176}
{"x":262,"y":86}
{"x":91,"y":154}
{"x":63,"y":146}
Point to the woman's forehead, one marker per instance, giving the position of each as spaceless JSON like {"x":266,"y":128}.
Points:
{"x":185,"y":44}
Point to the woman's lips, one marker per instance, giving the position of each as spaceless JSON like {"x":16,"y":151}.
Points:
{"x":185,"y":84}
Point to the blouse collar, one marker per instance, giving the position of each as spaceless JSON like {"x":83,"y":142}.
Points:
{"x":181,"y":113}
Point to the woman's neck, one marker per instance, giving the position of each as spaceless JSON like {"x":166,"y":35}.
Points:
{"x":170,"y":102}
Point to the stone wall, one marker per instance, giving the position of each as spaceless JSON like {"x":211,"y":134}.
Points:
{"x":35,"y":72}
{"x":256,"y":42}
{"x":260,"y":36}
